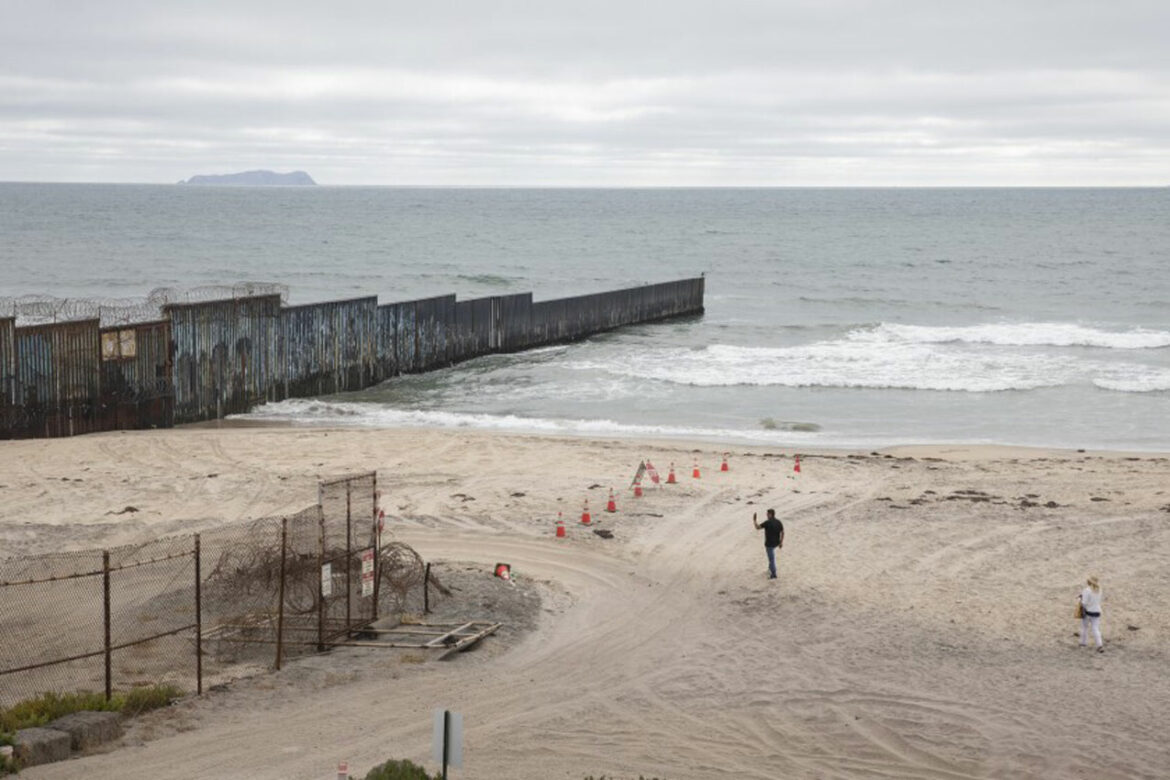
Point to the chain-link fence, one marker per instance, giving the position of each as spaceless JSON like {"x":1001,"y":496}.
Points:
{"x":195,"y":610}
{"x":92,"y":620}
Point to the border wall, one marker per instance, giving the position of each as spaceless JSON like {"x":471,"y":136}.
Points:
{"x":7,"y":372}
{"x":208,"y":359}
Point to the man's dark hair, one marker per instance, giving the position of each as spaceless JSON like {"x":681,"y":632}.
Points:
{"x":771,"y":513}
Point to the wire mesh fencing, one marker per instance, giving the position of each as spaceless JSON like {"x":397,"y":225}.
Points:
{"x":349,"y":541}
{"x":82,"y":621}
{"x":196,"y":610}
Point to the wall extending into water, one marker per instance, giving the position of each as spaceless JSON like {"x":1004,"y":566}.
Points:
{"x":205,"y":360}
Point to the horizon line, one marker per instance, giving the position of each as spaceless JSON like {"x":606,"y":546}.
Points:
{"x":609,"y":186}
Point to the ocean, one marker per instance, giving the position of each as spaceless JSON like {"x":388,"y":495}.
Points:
{"x":835,"y":317}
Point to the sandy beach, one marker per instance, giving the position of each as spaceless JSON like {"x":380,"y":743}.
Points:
{"x":921,"y":627}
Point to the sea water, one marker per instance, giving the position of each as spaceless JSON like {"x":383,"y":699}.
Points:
{"x":835,"y":317}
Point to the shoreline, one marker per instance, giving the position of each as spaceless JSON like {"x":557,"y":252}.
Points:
{"x":963,"y":450}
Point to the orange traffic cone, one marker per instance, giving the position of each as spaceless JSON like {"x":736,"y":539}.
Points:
{"x":611,"y":505}
{"x":586,"y":518}
{"x":796,"y":467}
{"x":560,"y":526}
{"x":670,"y":480}
{"x":695,"y":472}
{"x":637,"y":488}
{"x":724,"y":466}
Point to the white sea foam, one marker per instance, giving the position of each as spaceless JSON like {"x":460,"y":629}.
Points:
{"x":370,"y":415}
{"x":975,"y":359}
{"x":846,"y":363}
{"x":1136,"y":379}
{"x":1021,"y":334}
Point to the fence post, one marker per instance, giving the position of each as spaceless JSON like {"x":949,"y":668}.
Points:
{"x":320,"y":569}
{"x":198,"y":620}
{"x":280,"y":604}
{"x":427,"y":590}
{"x":106,"y":619}
{"x":377,"y":549}
{"x":348,"y":557}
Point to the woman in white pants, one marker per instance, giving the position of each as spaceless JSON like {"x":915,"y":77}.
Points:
{"x":1091,"y":603}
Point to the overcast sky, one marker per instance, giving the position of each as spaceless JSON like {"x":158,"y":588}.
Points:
{"x":820,"y":93}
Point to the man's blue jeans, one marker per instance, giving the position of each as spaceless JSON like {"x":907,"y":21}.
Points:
{"x":771,"y":560}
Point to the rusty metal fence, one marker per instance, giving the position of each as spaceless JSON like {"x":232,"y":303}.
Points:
{"x":92,"y":620}
{"x":186,"y":358}
{"x":202,"y":608}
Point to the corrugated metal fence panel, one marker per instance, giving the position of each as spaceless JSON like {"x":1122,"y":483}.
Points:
{"x":463,"y":338}
{"x":222,"y":357}
{"x":387,"y":341}
{"x":515,"y":321}
{"x":406,"y":343}
{"x":58,"y":380}
{"x":327,"y":347}
{"x":547,"y":320}
{"x":225,"y":355}
{"x":433,"y":319}
{"x":474,"y":326}
{"x":7,"y":373}
{"x":566,"y":319}
{"x":137,"y":383}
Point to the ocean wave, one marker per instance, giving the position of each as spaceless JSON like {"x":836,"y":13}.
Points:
{"x":1151,"y":381}
{"x":850,"y":362}
{"x":843,"y":364}
{"x":1022,"y":334}
{"x":372,"y":415}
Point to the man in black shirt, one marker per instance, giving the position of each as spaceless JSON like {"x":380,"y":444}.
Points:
{"x":773,"y":538}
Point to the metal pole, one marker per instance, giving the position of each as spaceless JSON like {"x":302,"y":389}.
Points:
{"x":377,"y":549}
{"x":427,"y":590}
{"x":348,"y":557}
{"x":280,"y":597}
{"x":198,"y":620}
{"x":106,"y":607}
{"x":446,"y":733}
{"x":320,"y":568}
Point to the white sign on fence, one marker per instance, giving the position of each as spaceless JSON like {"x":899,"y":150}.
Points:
{"x":327,"y":580}
{"x":368,"y":572}
{"x":454,"y":742}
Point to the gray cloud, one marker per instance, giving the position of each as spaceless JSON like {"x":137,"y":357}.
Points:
{"x":832,"y":92}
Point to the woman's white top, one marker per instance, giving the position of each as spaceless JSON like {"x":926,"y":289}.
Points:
{"x":1091,"y":599}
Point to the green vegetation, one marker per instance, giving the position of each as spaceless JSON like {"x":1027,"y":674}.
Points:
{"x":7,"y":765}
{"x":399,"y":770}
{"x":49,"y":706}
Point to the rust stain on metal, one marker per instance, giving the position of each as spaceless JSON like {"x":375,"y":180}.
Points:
{"x":209,"y":359}
{"x":58,"y":382}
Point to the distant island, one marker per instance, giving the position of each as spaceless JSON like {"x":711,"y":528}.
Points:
{"x":256,"y":178}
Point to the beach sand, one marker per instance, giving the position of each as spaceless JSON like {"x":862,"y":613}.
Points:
{"x":922,"y":625}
